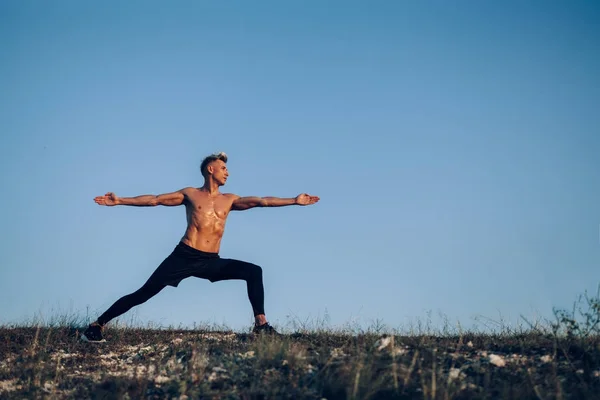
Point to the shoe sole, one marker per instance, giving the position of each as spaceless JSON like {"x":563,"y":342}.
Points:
{"x":85,"y":339}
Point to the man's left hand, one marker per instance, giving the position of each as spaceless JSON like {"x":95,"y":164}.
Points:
{"x":305,"y":199}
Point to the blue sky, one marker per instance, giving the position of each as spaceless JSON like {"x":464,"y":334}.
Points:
{"x":455,"y":147}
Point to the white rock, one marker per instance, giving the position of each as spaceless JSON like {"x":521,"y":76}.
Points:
{"x":497,"y":360}
{"x":546,"y":358}
{"x":337,"y":353}
{"x":162,"y":379}
{"x":455,"y":373}
{"x":248,"y":354}
{"x":383,"y":343}
{"x":398,"y":351}
{"x":9,"y":385}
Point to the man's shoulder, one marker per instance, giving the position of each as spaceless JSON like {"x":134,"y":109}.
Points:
{"x":188,"y":189}
{"x":232,"y":196}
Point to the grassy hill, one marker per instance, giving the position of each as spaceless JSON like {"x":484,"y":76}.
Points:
{"x":50,"y":362}
{"x":556,"y":360}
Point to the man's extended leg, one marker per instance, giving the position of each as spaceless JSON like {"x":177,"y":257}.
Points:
{"x":94,"y":332}
{"x":182,"y":263}
{"x":125,"y":303}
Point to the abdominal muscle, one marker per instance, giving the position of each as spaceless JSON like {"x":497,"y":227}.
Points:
{"x":204,"y":231}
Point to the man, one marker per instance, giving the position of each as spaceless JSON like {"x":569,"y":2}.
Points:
{"x":197,"y":253}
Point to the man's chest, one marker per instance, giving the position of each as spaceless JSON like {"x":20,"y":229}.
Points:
{"x":204,"y":204}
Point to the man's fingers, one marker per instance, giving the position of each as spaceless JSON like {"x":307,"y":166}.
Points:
{"x":307,"y":199}
{"x":102,"y":200}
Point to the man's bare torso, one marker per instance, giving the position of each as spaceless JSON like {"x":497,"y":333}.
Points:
{"x":206,"y":216}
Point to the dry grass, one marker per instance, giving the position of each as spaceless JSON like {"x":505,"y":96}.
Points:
{"x":556,"y":360}
{"x":50,"y":362}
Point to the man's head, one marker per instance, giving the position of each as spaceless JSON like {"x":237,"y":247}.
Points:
{"x":214,"y":166}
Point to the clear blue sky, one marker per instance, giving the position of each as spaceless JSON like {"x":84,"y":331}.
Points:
{"x":455,"y":147}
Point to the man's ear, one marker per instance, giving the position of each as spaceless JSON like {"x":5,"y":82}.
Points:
{"x":210,"y":169}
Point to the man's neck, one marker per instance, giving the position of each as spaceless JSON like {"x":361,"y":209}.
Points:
{"x":210,"y":187}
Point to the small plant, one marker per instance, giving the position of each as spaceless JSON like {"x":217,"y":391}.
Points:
{"x":583,"y":320}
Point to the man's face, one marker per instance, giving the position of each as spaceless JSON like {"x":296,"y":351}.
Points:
{"x":218,"y":170}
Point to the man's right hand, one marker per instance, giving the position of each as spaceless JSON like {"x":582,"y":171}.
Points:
{"x":109,"y":199}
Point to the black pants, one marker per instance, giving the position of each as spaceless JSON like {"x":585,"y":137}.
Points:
{"x":184,"y":262}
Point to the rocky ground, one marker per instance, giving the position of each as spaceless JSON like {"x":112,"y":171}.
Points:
{"x":143,"y":363}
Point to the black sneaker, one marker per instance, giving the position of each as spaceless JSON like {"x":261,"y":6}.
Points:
{"x":93,"y":334}
{"x":265,"y":329}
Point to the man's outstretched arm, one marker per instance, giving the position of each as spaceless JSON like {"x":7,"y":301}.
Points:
{"x":245,"y":203}
{"x":147,"y":200}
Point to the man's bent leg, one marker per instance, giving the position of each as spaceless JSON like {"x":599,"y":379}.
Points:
{"x":125,"y":303}
{"x":233,"y":269}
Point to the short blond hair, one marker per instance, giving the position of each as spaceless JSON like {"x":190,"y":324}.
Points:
{"x":213,"y":157}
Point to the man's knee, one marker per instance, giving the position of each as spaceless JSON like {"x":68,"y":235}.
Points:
{"x":255,"y":271}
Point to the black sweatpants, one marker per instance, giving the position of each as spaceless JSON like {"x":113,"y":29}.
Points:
{"x":184,"y":262}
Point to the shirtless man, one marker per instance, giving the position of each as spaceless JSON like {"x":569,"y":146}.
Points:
{"x":197,"y":253}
